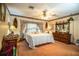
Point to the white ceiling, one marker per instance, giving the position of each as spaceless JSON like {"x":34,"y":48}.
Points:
{"x":54,"y":10}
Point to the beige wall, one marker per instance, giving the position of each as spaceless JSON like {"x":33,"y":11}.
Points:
{"x":4,"y":28}
{"x":74,"y":27}
{"x":20,"y":19}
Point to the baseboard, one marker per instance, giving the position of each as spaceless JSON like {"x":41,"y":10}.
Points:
{"x":73,"y":43}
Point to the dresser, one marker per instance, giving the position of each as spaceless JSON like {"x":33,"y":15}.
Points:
{"x":62,"y":37}
{"x":9,"y":45}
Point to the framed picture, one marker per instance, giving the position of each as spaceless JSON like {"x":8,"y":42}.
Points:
{"x":15,"y":23}
{"x":46,"y":25}
{"x":2,"y":12}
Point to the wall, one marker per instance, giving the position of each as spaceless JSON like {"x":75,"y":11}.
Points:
{"x":22,"y":20}
{"x":74,"y":28}
{"x":4,"y":27}
{"x":0,"y":11}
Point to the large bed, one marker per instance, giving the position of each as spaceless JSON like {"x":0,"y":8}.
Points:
{"x":36,"y":39}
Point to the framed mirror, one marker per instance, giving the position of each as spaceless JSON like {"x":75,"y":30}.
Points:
{"x":62,"y":27}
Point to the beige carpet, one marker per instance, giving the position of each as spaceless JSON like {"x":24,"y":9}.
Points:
{"x":55,"y":49}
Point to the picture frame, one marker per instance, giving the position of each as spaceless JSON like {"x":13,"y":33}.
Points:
{"x":2,"y":12}
{"x":15,"y":23}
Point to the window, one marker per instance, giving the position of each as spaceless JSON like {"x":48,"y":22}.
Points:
{"x":32,"y":27}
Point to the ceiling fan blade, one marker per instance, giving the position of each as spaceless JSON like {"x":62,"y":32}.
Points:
{"x":55,"y":15}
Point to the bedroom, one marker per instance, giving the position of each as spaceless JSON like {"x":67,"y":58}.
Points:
{"x":41,"y":29}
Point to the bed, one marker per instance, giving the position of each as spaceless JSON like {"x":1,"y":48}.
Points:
{"x":37,"y":39}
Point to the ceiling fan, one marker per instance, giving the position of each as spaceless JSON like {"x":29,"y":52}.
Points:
{"x":45,"y":13}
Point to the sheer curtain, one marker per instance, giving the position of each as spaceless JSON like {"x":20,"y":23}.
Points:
{"x":32,"y":27}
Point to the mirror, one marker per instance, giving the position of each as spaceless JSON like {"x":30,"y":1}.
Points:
{"x":62,"y":27}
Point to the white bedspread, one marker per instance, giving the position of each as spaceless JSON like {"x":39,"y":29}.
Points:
{"x":36,"y":39}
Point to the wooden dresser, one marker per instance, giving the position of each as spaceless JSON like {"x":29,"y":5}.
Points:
{"x":9,"y":45}
{"x":62,"y":37}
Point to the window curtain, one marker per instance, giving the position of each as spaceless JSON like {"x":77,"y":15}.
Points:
{"x":32,"y":27}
